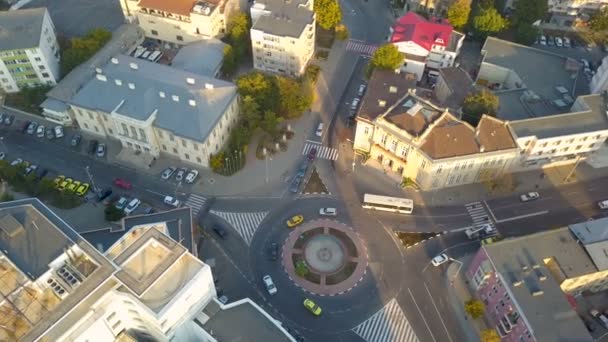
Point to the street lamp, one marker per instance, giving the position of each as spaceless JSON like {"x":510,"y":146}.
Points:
{"x":265,"y":152}
{"x":87,"y":169}
{"x":3,"y":145}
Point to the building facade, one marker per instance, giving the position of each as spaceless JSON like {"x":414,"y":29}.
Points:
{"x":181,"y":21}
{"x":428,"y":45}
{"x":155,"y":109}
{"x":29,"y":52}
{"x":282,"y":35}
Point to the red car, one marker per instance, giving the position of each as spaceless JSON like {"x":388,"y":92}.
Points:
{"x":121,"y":183}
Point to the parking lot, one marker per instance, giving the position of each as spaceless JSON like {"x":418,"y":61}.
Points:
{"x":578,"y":49}
{"x":76,"y":17}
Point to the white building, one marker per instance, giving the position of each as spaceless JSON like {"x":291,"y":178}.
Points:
{"x":180,"y":21}
{"x":282,"y":35}
{"x":599,"y":81}
{"x":147,"y":286}
{"x":428,"y":45}
{"x":152,"y":109}
{"x":29,"y":53}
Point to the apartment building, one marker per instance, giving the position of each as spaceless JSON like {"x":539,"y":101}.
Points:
{"x":599,"y":81}
{"x":56,"y":287}
{"x":154,"y":109}
{"x":415,"y":139}
{"x":180,"y":21}
{"x":29,"y":53}
{"x":567,"y":7}
{"x":530,"y":285}
{"x":282,"y":35}
{"x":427,"y":45}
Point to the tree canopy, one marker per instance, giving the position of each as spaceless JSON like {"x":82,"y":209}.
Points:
{"x":489,"y":335}
{"x":488,"y":21}
{"x":458,"y":13}
{"x":329,"y":13}
{"x":599,"y":20}
{"x":474,"y":308}
{"x":478,"y":103}
{"x":387,"y":57}
{"x":525,"y":33}
{"x":237,"y":38}
{"x":529,"y":11}
{"x":81,"y":49}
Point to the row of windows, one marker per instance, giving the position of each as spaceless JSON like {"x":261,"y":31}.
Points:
{"x":568,"y":141}
{"x":563,"y":150}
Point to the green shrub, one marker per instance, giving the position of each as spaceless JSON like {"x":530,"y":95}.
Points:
{"x":113,"y":214}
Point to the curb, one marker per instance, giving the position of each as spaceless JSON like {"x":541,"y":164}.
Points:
{"x":422,"y":241}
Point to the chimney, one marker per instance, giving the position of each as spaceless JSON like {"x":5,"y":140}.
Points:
{"x":131,"y":85}
{"x":133,"y":66}
{"x":175,"y":98}
{"x":392,"y":89}
{"x":118,"y":82}
{"x":98,"y":70}
{"x":101,"y":77}
{"x":114,"y":60}
{"x":208,"y":86}
{"x":161,"y":94}
{"x":190,"y":80}
{"x":192,"y":103}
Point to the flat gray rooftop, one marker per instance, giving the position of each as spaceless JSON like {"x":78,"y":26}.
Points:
{"x":594,"y":119}
{"x":203,"y":57}
{"x":241,"y":323}
{"x":543,"y":303}
{"x":21,"y":29}
{"x":589,"y":232}
{"x":511,"y":106}
{"x":287,"y":18}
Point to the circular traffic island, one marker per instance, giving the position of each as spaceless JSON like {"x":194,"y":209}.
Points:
{"x":325,"y":257}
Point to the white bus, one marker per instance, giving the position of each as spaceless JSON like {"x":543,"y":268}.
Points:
{"x":394,"y":204}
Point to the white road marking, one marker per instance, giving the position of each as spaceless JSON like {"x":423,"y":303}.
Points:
{"x":523,"y":216}
{"x":195,"y":202}
{"x":438,"y":313}
{"x":244,"y":223}
{"x":421,"y":315}
{"x":388,"y":324}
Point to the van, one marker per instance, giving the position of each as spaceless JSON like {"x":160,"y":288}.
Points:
{"x":174,"y":202}
{"x":319,"y":131}
{"x":603,"y":204}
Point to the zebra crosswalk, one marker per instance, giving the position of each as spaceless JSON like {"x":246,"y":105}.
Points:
{"x":387,"y":325}
{"x":244,"y":223}
{"x":323,"y":152}
{"x":195,"y":202}
{"x":479,"y":214}
{"x":361,"y":47}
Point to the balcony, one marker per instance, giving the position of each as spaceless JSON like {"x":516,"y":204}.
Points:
{"x":165,"y":15}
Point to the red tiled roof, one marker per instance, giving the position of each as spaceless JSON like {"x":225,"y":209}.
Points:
{"x":413,"y":27}
{"x":181,"y":7}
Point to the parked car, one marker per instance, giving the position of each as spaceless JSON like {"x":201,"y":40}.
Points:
{"x":319,"y":131}
{"x":221,"y":232}
{"x":355,"y":103}
{"x":179,"y":176}
{"x":41,"y":173}
{"x":295,"y":221}
{"x":64,"y":184}
{"x":172,"y":201}
{"x":2,"y":155}
{"x":31,"y":168}
{"x":121,"y":183}
{"x":602,"y":204}
{"x":8,"y":120}
{"x":312,"y":307}
{"x":121,"y":203}
{"x":75,"y":141}
{"x":49,"y":133}
{"x":101,"y":150}
{"x":40,"y":131}
{"x":58,"y":180}
{"x":103,"y":194}
{"x":328,"y":212}
{"x":223,"y":299}
{"x":82,"y":189}
{"x":543,"y":40}
{"x":567,"y":42}
{"x":312,"y":154}
{"x":167,"y":173}
{"x":558,"y":42}
{"x":440,"y":259}
{"x":73,"y":186}
{"x":132,"y":206}
{"x":361,"y":90}
{"x":270,"y":287}
{"x":58,"y":132}
{"x":16,"y":162}
{"x":92,"y":146}
{"x":550,"y":40}
{"x":191,"y":176}
{"x":530,"y":196}
{"x":273,"y":251}
{"x":600,"y":317}
{"x":25,"y":126}
{"x":31,"y":128}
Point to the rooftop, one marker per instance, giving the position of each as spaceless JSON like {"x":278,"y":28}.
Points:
{"x":415,"y":28}
{"x":592,"y":119}
{"x":524,"y":62}
{"x":186,"y":104}
{"x":282,"y":18}
{"x":181,"y":7}
{"x":593,"y":235}
{"x":387,"y":86}
{"x":259,"y":327}
{"x":460,"y":84}
{"x":413,"y":115}
{"x":532,"y":268}
{"x":21,"y":29}
{"x":203,"y":57}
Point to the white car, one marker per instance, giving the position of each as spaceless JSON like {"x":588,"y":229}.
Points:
{"x":361,"y":90}
{"x":16,"y":162}
{"x":530,"y":196}
{"x":174,"y":202}
{"x":269,"y":285}
{"x":355,"y":103}
{"x":440,"y":259}
{"x":122,"y":203}
{"x":132,"y":206}
{"x":566,"y":42}
{"x":167,"y":173}
{"x":543,"y":40}
{"x":2,"y":155}
{"x":602,"y":204}
{"x":191,"y":176}
{"x":101,"y":150}
{"x":558,"y":42}
{"x":328,"y":212}
{"x":40,"y":131}
{"x":319,"y":131}
{"x":58,"y":132}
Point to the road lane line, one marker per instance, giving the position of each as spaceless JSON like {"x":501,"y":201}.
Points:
{"x":154,"y":192}
{"x":490,"y":210}
{"x":421,"y":315}
{"x":523,"y":216}
{"x":439,"y":314}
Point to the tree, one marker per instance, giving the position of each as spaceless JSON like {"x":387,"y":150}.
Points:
{"x":478,"y":103}
{"x":261,"y":87}
{"x":458,"y":13}
{"x":489,"y":21}
{"x":270,"y":122}
{"x":250,"y":111}
{"x":113,"y":214}
{"x":485,"y":4}
{"x":238,"y":35}
{"x":529,"y":11}
{"x":599,"y":20}
{"x":81,"y":49}
{"x":387,"y":57}
{"x":328,"y":13}
{"x":216,"y":161}
{"x":341,"y":32}
{"x":295,"y":98}
{"x":489,"y":335}
{"x":230,"y":63}
{"x":525,"y":33}
{"x":474,"y":308}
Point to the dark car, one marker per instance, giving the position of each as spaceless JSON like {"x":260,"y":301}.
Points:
{"x":92,"y":146}
{"x":274,"y":251}
{"x":75,"y":140}
{"x":103,"y":194}
{"x":49,"y":133}
{"x":221,"y":232}
{"x":8,"y":120}
{"x":25,"y":126}
{"x":42,"y":173}
{"x":149,"y":210}
{"x":312,"y":154}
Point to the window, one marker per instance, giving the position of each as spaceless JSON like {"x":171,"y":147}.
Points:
{"x":592,"y":146}
{"x":383,"y":139}
{"x":110,"y":131}
{"x":37,"y":59}
{"x":174,"y":150}
{"x":180,"y":38}
{"x":154,"y":32}
{"x":578,"y":147}
{"x":171,"y":137}
{"x":184,"y":143}
{"x":423,"y":164}
{"x":394,"y":145}
{"x":142,"y":135}
{"x":164,"y":147}
{"x":366,"y":131}
{"x":187,"y":156}
{"x":160,"y":134}
{"x":125,"y":130}
{"x":404,"y":151}
{"x":439,"y":170}
{"x":195,"y":146}
{"x":90,"y":115}
{"x":86,"y":125}
{"x":41,"y":67}
{"x":199,"y":160}
{"x":133,"y":132}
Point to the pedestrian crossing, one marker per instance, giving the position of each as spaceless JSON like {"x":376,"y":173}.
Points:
{"x":195,"y":202}
{"x":244,"y":223}
{"x":361,"y":47}
{"x":479,"y":214}
{"x":387,"y":325}
{"x":323,"y":152}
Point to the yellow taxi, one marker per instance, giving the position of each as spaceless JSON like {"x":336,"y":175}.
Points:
{"x":312,"y":307}
{"x":294,"y":221}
